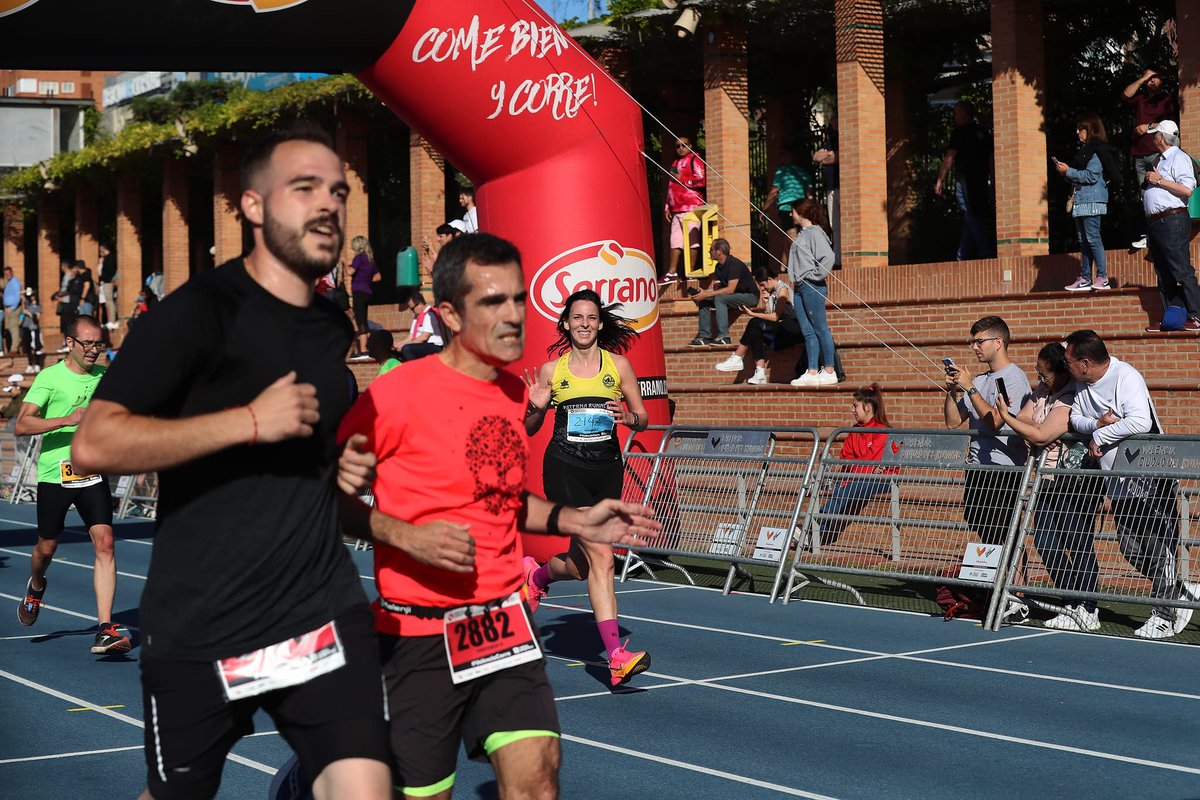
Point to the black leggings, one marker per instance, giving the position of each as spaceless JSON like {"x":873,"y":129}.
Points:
{"x":783,"y":334}
{"x":360,"y":310}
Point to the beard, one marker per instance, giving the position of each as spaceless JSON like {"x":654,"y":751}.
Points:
{"x":288,"y":247}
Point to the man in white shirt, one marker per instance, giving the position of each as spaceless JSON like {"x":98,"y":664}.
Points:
{"x":1168,"y":225}
{"x":1111,"y":404}
{"x":425,"y":334}
{"x":466,"y":199}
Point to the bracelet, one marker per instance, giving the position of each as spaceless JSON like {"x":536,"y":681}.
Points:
{"x":552,"y":520}
{"x":254,"y":419}
{"x":636,"y":419}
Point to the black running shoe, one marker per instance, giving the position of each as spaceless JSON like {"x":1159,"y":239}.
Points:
{"x":109,"y":641}
{"x":28,"y":609}
{"x":700,"y":341}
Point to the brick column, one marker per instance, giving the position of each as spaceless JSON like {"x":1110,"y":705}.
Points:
{"x":87,"y":229}
{"x":13,"y":254}
{"x":175,"y":253}
{"x":351,"y":143}
{"x":727,"y":132}
{"x":49,"y":261}
{"x":862,"y":151}
{"x":129,"y":243}
{"x":1018,"y":80}
{"x":227,"y":195}
{"x":1187,"y":32}
{"x":427,"y":194}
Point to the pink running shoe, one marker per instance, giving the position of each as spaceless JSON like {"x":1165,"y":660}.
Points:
{"x":624,"y":664}
{"x":533,"y":595}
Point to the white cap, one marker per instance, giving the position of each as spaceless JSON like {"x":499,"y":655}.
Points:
{"x":1166,"y":126}
{"x":16,"y":377}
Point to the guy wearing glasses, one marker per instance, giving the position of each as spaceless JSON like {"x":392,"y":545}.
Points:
{"x":990,"y":497}
{"x":1112,"y":403}
{"x":685,"y":193}
{"x":53,"y":409}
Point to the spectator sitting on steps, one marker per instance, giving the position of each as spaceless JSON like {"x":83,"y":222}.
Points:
{"x":732,"y":287}
{"x":425,"y":335}
{"x":381,"y":347}
{"x":775,"y":325}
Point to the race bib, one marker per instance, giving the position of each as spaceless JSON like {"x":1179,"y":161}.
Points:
{"x":589,"y":425}
{"x":70,"y":479}
{"x":288,"y":663}
{"x":484,"y":639}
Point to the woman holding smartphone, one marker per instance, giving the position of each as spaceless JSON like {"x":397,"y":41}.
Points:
{"x":1089,"y":171}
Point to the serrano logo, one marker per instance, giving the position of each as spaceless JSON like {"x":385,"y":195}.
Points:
{"x":259,"y":6}
{"x":13,"y":6}
{"x":618,"y":274}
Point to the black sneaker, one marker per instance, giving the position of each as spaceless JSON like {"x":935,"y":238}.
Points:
{"x":28,"y":609}
{"x":720,"y":340}
{"x":109,"y":641}
{"x":699,"y":341}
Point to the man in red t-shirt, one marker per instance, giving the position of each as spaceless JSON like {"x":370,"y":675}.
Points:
{"x":1151,"y":103}
{"x":460,"y":652}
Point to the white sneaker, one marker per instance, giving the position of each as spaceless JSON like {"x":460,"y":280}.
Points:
{"x":826,"y":378}
{"x":1139,"y":244}
{"x":1015,"y":613}
{"x":1190,"y":591}
{"x":732,"y":364}
{"x":36,"y":369}
{"x":30,"y":370}
{"x":112,"y":326}
{"x":1157,"y":627}
{"x":1071,"y":621}
{"x":807,"y":379}
{"x":759,"y":377}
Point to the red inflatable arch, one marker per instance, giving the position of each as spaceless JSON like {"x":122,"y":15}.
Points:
{"x":552,"y":144}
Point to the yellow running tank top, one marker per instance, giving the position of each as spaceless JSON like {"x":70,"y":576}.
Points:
{"x":584,"y":430}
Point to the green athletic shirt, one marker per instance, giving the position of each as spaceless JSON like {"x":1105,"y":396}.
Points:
{"x":388,"y":366}
{"x":58,"y":391}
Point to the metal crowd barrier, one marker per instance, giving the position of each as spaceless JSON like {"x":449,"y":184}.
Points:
{"x":730,"y":495}
{"x":902,"y":517}
{"x":1121,"y":535}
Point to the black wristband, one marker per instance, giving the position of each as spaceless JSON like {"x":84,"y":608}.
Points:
{"x":552,"y":520}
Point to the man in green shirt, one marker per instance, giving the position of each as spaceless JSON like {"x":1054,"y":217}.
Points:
{"x":53,"y":408}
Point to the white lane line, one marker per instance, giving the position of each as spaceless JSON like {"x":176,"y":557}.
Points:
{"x":71,"y":563}
{"x":27,"y":636}
{"x":82,"y":753}
{"x":775,"y":787}
{"x":90,"y":617}
{"x":946,"y":727}
{"x":620,"y":591}
{"x":108,"y":712}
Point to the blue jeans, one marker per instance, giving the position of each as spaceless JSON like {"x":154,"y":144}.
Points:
{"x":975,"y":242}
{"x":810,"y":313}
{"x":721,"y":305}
{"x":1063,"y":523}
{"x":1168,"y":238}
{"x":848,"y":498}
{"x":1091,"y":248}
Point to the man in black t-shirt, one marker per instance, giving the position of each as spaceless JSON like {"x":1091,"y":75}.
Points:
{"x":732,"y":287}
{"x":970,"y":153}
{"x":252,"y":601}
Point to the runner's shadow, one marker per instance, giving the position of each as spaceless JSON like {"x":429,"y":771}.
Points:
{"x":488,"y":791}
{"x":574,"y":636}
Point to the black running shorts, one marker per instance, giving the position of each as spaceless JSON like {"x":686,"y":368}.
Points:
{"x":190,"y":726}
{"x":570,"y":484}
{"x":431,"y":715}
{"x":94,"y":504}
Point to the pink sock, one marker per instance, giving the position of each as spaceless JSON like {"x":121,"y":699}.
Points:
{"x":610,"y":634}
{"x":541,"y":576}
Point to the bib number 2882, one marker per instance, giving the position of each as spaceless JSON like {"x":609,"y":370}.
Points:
{"x":481,"y":640}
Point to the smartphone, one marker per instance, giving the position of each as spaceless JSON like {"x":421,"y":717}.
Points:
{"x":1053,"y":160}
{"x":1002,"y":391}
{"x":947,"y":362}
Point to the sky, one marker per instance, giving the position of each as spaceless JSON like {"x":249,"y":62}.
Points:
{"x":565,"y":9}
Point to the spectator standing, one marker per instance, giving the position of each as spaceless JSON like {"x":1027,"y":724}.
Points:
{"x":1151,"y":103}
{"x":990,"y":498}
{"x":442,"y":234}
{"x":1169,"y":227}
{"x":363,"y":276}
{"x":87,"y":289}
{"x":470,"y":219}
{"x":827,"y":158}
{"x":425,"y":336}
{"x":1112,"y":403}
{"x":970,"y":153}
{"x":31,"y":331}
{"x":1089,"y":172}
{"x":851,"y":494}
{"x":12,"y":311}
{"x":67,"y":305}
{"x":1065,"y":514}
{"x":789,"y":185}
{"x":107,"y":271}
{"x":775,"y":324}
{"x":810,"y":260}
{"x":732,"y":287}
{"x":685,"y":192}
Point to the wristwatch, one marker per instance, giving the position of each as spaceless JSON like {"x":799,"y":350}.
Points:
{"x":972,"y":391}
